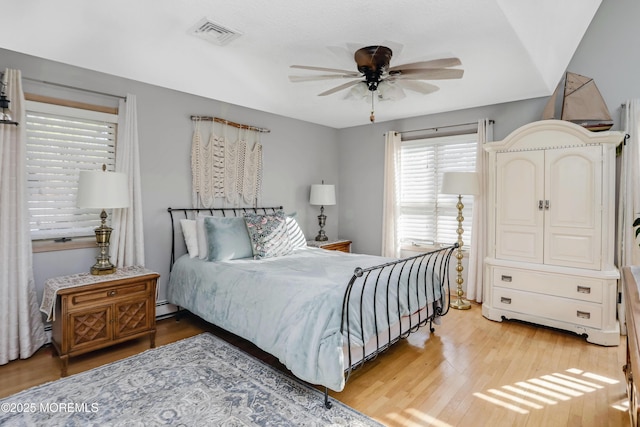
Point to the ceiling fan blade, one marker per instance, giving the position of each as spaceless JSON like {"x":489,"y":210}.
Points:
{"x":421,"y":87}
{"x":434,"y":63}
{"x":339,"y":88}
{"x":428,"y":74}
{"x":329,"y":70}
{"x":297,"y":79}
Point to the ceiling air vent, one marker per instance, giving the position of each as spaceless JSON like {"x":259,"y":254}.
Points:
{"x":214,"y":32}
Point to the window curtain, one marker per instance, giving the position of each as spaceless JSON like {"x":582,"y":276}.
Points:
{"x":127,"y":238}
{"x":392,"y":145}
{"x":22,"y":331}
{"x":628,"y":201}
{"x":628,"y":252}
{"x":477,"y":249}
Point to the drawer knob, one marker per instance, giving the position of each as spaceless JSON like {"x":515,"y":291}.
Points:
{"x":506,"y":278}
{"x":584,"y":289}
{"x":583,"y":314}
{"x":505,"y":300}
{"x":112,"y":293}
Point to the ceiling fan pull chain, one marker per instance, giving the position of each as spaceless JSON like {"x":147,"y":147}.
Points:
{"x":372,"y":117}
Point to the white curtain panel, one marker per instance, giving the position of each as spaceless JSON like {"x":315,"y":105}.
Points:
{"x":628,"y":200}
{"x":627,"y":250}
{"x":22,"y":331}
{"x":390,"y":214}
{"x":127,"y":238}
{"x":477,"y":250}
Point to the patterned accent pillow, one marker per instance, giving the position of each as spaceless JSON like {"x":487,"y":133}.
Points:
{"x":268,"y":234}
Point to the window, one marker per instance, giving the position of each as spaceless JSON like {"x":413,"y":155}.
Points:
{"x":61,"y":141}
{"x":426,"y":216}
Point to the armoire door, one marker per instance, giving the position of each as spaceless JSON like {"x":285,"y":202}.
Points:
{"x":573,"y":207}
{"x":519,"y":215}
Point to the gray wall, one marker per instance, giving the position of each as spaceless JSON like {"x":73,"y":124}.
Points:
{"x":298,"y":154}
{"x":608,"y":54}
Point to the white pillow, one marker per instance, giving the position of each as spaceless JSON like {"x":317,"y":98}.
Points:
{"x":190,"y":236}
{"x":296,"y":236}
{"x":201,"y":232}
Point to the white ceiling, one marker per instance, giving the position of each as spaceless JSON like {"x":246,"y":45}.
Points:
{"x":510,"y":50}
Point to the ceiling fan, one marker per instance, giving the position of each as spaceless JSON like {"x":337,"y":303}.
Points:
{"x":376,"y":76}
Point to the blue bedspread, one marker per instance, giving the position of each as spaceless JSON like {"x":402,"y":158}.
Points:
{"x":289,"y":306}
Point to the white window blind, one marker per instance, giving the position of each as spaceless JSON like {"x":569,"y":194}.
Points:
{"x":61,"y":141}
{"x":426,"y":216}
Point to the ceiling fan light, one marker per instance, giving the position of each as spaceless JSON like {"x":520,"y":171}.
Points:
{"x":388,"y":90}
{"x":359,"y":91}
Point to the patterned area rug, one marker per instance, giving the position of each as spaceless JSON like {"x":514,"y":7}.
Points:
{"x":199,"y":381}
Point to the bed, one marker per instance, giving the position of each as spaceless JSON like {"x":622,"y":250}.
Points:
{"x":322,"y":313}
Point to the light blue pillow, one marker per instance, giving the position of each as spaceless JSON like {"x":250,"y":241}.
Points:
{"x":227,"y":238}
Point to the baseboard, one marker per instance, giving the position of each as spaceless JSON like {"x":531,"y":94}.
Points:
{"x":47,"y":332}
{"x":165,"y":309}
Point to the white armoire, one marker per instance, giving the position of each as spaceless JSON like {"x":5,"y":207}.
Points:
{"x":550,"y":254}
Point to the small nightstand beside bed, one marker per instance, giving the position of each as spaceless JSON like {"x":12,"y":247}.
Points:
{"x":321,"y":313}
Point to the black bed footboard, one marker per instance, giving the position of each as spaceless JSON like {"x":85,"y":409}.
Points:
{"x":408,"y":294}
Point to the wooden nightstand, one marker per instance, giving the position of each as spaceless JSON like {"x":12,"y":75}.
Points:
{"x":332,"y":245}
{"x":92,"y":312}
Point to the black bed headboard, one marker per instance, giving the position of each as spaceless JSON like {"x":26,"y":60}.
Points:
{"x":190,"y":213}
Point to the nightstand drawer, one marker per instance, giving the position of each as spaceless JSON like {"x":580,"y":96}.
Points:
{"x":331,"y":245}
{"x":339,"y":246}
{"x":125,"y":291}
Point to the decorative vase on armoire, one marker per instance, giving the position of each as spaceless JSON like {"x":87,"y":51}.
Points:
{"x":550,"y":254}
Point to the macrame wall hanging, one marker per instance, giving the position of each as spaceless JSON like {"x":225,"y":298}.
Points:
{"x":226,"y":167}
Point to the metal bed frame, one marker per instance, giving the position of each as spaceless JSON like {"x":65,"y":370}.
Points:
{"x":422,"y":275}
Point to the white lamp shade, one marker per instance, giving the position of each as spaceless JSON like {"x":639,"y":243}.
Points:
{"x":102,"y":190}
{"x":323,"y":194}
{"x":460,"y":183}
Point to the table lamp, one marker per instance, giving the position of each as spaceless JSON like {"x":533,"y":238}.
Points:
{"x":460,"y":183}
{"x":103,"y":190}
{"x":323,"y":195}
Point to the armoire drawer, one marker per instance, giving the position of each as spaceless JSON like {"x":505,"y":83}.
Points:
{"x":575,"y":287}
{"x":550,"y":307}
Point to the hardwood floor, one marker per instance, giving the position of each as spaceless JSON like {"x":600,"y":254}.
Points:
{"x":470,"y":372}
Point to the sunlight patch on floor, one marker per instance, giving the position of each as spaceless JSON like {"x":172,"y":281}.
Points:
{"x":621,"y":405}
{"x":534,"y":393}
{"x":423,"y":419}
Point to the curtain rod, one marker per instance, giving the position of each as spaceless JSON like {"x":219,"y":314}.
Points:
{"x":435,"y":128}
{"x":95,"y":92}
{"x":229,"y":123}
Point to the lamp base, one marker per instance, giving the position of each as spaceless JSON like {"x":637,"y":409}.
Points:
{"x":460,"y":304}
{"x":322,"y":220}
{"x":98,"y":270}
{"x":321,"y":237}
{"x":103,"y":263}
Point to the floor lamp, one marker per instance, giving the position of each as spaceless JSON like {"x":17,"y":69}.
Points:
{"x":460,"y":183}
